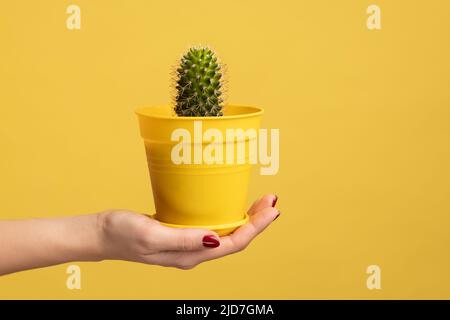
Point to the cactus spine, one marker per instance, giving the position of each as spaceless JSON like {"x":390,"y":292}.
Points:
{"x":198,"y":84}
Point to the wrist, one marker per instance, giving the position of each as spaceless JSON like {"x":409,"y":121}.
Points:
{"x":108,"y":247}
{"x":84,"y":238}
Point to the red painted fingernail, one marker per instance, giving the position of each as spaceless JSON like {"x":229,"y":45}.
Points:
{"x":211,"y":241}
{"x":277,"y":216}
{"x":274,"y":202}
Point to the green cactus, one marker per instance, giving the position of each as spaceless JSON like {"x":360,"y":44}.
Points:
{"x":199,"y":84}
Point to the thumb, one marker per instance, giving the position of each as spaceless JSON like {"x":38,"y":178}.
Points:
{"x":175,"y":239}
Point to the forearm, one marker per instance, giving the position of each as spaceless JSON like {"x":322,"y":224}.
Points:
{"x":35,"y":243}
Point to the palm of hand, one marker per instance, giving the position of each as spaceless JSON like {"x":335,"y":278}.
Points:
{"x":136,"y":237}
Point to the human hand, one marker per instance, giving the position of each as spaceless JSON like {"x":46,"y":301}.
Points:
{"x":131,"y":236}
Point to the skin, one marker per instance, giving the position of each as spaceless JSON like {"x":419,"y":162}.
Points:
{"x":120,"y":235}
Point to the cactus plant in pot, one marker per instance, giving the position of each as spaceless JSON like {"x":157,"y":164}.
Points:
{"x":199,"y":149}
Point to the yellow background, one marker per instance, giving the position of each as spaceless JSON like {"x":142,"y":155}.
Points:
{"x":363,"y":115}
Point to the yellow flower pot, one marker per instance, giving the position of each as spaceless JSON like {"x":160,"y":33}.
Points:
{"x":199,"y":195}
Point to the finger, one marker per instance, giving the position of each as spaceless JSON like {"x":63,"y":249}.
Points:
{"x":176,"y":239}
{"x":253,"y":206}
{"x":258,"y":222}
{"x":266,"y":201}
{"x":233,"y":243}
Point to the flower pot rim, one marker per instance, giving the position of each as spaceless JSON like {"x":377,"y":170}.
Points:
{"x":246,"y":112}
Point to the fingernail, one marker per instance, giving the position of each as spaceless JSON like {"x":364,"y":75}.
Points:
{"x":274,"y":202}
{"x":277,"y":216}
{"x":211,"y":241}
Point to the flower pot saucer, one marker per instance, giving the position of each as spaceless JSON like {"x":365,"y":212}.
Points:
{"x":220,"y":229}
